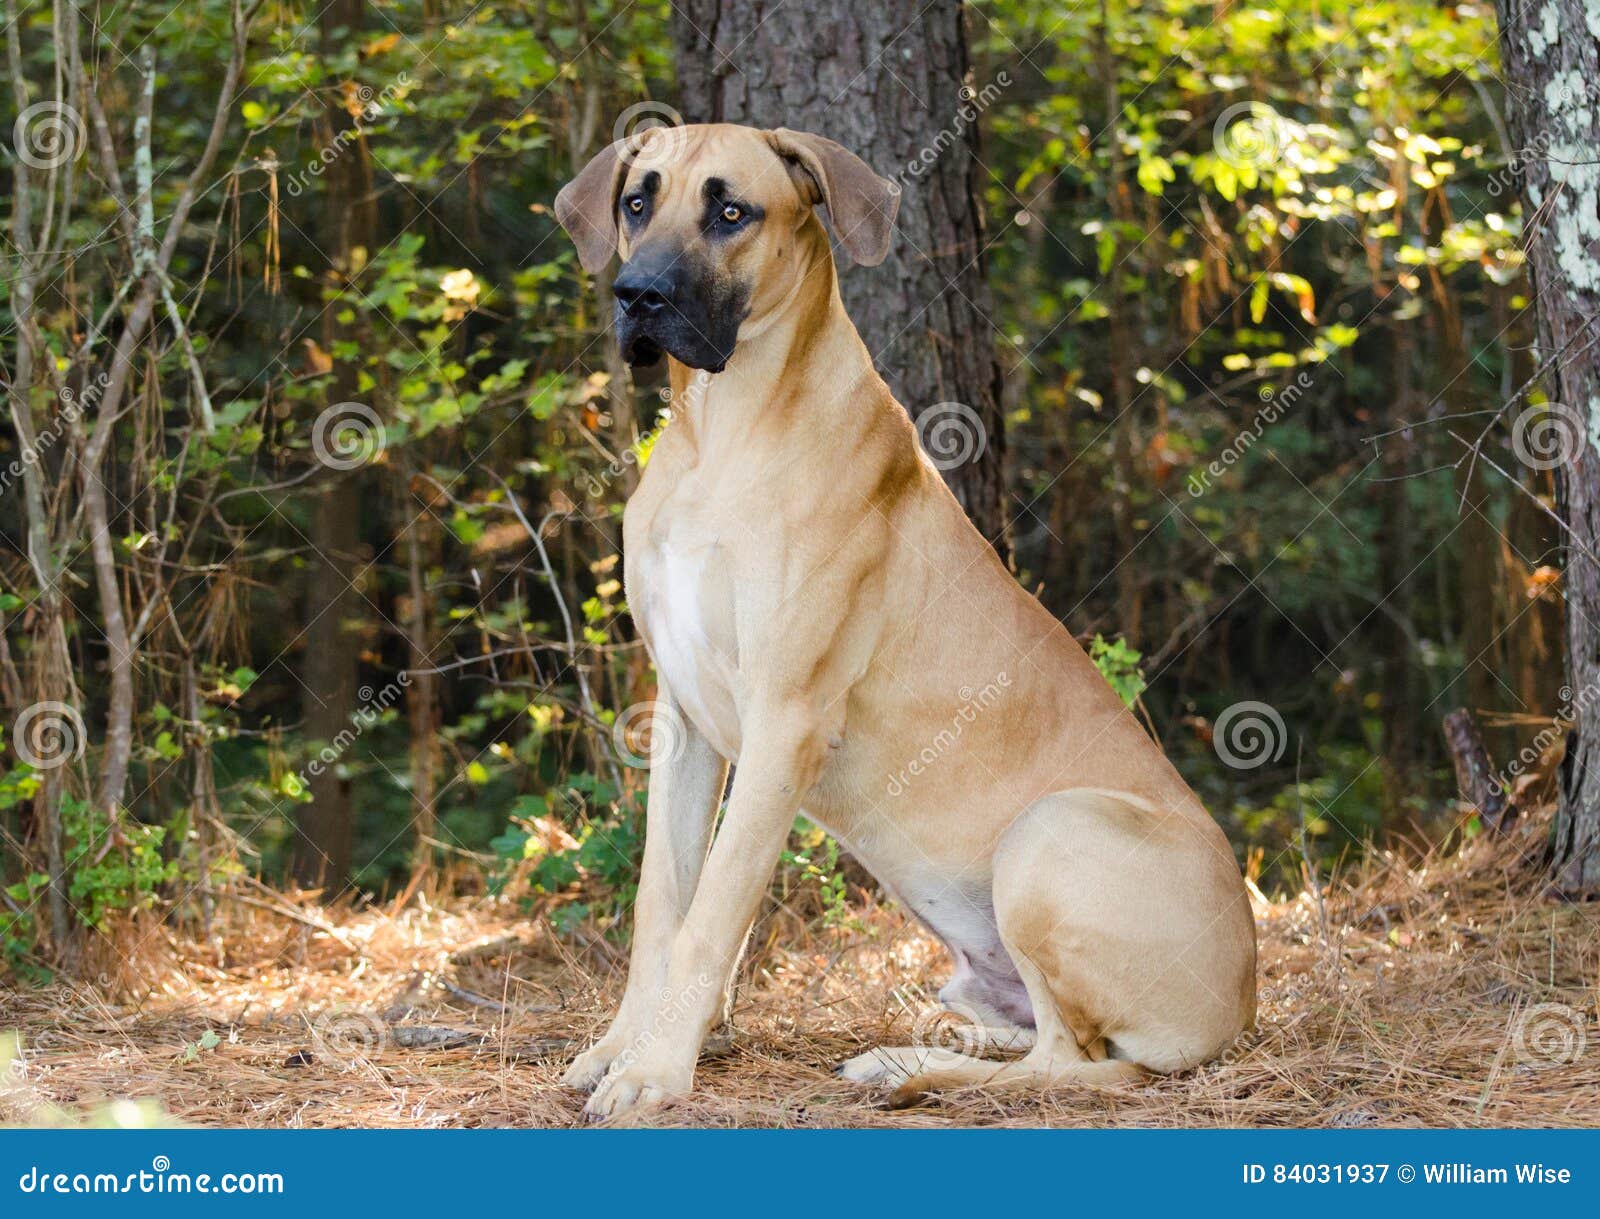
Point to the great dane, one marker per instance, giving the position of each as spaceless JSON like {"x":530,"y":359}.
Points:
{"x":823,"y":616}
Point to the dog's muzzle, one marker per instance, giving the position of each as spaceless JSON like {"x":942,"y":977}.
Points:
{"x":666,"y":302}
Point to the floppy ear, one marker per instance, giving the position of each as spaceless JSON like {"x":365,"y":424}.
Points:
{"x":860,"y":204}
{"x":587,"y":207}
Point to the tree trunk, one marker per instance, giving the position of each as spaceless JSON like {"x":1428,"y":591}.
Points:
{"x":1556,"y":125}
{"x":325,"y":838}
{"x":889,"y":82}
{"x":422,"y":694}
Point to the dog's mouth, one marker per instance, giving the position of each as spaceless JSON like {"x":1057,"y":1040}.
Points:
{"x":644,"y":344}
{"x":643,"y":352}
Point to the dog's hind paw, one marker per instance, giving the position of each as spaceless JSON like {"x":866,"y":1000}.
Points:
{"x":886,"y":1064}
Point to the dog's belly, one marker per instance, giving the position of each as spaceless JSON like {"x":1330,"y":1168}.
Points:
{"x":687,"y":609}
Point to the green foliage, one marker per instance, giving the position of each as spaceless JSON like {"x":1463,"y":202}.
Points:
{"x":1119,"y":665}
{"x":812,"y":861}
{"x":209,"y":1040}
{"x":601,"y":857}
{"x":19,"y":927}
{"x":112,"y":868}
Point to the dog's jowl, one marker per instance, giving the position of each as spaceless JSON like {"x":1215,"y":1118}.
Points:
{"x":821,"y":612}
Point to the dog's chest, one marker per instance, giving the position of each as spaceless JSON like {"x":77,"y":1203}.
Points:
{"x":681,"y":589}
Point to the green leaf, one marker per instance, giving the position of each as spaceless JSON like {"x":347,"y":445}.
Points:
{"x":1258,"y":300}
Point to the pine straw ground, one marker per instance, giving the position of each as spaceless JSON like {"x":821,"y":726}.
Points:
{"x":1446,"y":992}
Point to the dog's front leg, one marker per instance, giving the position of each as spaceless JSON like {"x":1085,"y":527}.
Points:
{"x":779,"y":761}
{"x":685,"y":788}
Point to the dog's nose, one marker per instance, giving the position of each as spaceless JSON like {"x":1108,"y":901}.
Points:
{"x":644,"y":292}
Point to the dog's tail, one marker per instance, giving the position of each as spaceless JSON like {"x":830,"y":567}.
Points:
{"x":1035,"y":1071}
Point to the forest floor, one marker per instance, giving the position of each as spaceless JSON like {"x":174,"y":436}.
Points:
{"x":1436,"y":992}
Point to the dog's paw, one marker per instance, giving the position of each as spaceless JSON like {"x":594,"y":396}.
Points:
{"x":885,"y":1064}
{"x":633,"y":1089}
{"x":590,"y":1067}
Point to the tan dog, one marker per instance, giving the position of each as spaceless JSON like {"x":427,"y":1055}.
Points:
{"x":821,"y":612}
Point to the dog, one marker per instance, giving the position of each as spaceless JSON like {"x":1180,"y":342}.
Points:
{"x":822,"y":615}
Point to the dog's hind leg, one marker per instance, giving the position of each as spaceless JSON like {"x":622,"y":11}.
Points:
{"x":898,"y":1063}
{"x":1131,"y":930}
{"x":1055,"y":1059}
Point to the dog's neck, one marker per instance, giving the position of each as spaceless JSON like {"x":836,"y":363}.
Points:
{"x":806,"y":339}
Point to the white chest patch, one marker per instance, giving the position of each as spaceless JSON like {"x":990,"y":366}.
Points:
{"x":689,"y":614}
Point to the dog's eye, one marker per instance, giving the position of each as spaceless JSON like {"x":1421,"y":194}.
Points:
{"x":733,"y":213}
{"x":634,"y":203}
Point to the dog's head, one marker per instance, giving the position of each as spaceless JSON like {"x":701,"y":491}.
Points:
{"x":708,"y":220}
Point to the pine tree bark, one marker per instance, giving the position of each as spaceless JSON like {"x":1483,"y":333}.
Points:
{"x":885,"y":80}
{"x":1551,"y":57}
{"x":325,"y":827}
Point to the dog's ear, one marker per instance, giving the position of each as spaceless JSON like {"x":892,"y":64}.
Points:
{"x":860,"y":204}
{"x":587,"y":206}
